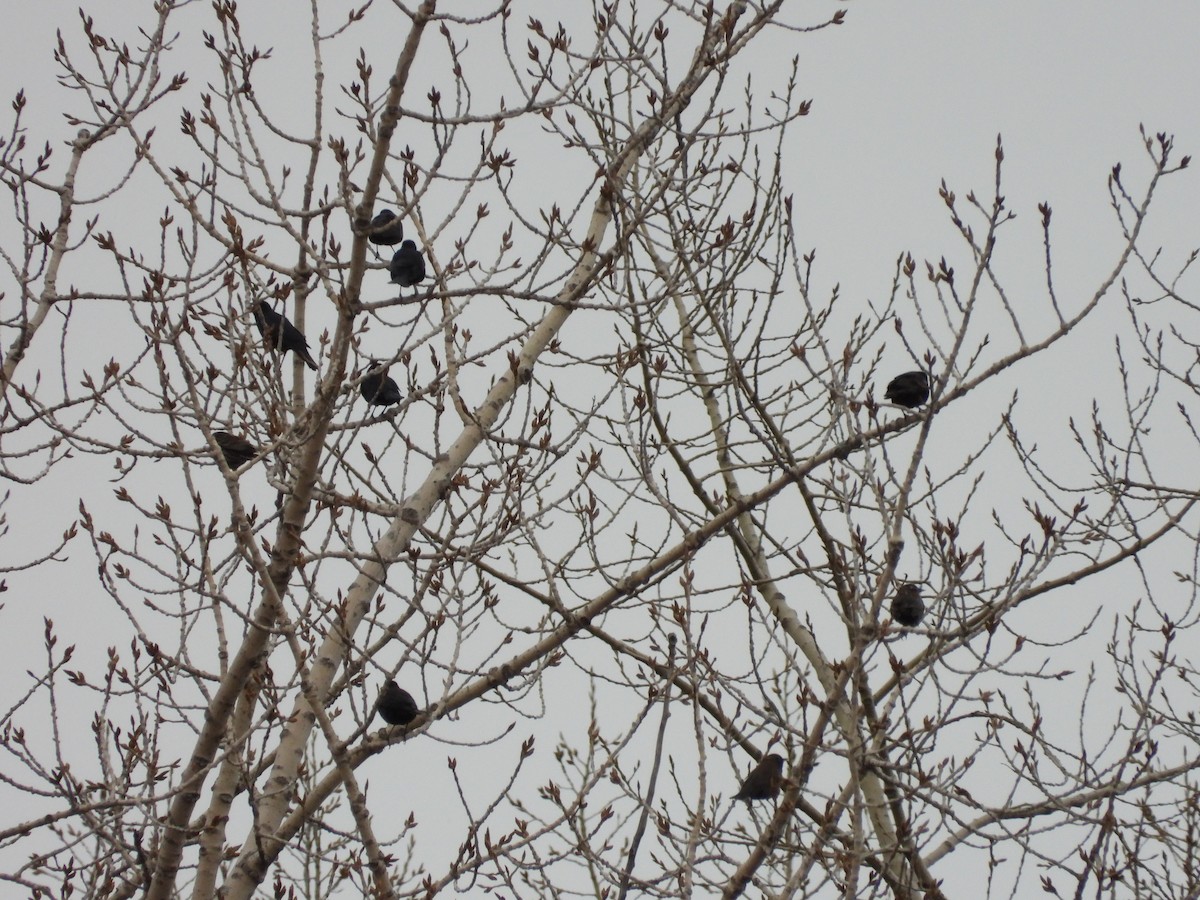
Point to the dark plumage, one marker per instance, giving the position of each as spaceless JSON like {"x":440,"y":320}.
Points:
{"x":396,"y":705}
{"x":407,"y":265}
{"x":907,"y":606}
{"x":380,"y":390}
{"x":237,"y":450}
{"x":285,"y":338}
{"x":909,"y":390}
{"x":764,"y":782}
{"x":386,"y":228}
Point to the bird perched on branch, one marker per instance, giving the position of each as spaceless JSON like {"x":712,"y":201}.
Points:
{"x":407,"y":266}
{"x":237,"y":450}
{"x":280,"y":334}
{"x":386,"y":228}
{"x":764,"y":781}
{"x":380,"y":390}
{"x":396,"y":705}
{"x":908,"y":390}
{"x":907,"y":606}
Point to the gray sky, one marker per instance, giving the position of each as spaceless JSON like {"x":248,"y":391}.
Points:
{"x":904,"y":95}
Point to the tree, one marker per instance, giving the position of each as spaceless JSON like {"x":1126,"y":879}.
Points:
{"x":641,"y":458}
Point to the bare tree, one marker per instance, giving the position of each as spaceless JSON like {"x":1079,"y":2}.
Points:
{"x":635,"y":516}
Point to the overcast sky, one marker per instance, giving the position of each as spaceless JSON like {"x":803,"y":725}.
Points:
{"x":905,"y":95}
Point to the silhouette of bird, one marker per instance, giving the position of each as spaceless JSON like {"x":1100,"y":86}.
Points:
{"x":380,"y":390}
{"x":764,"y":781}
{"x":280,"y":334}
{"x":386,"y":228}
{"x":407,"y":265}
{"x":907,"y":606}
{"x":237,"y":450}
{"x":396,"y":705}
{"x":908,"y":390}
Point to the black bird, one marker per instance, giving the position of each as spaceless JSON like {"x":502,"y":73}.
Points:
{"x":386,"y":228}
{"x":237,"y":450}
{"x":396,"y":705}
{"x":280,"y":334}
{"x":764,"y":781}
{"x":407,"y":265}
{"x":909,"y":390}
{"x":907,"y":606}
{"x":380,"y":390}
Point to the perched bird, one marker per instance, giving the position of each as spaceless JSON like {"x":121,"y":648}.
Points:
{"x":907,"y":606}
{"x":280,"y":334}
{"x":380,"y":390}
{"x":237,"y":450}
{"x":909,"y":390}
{"x":764,"y":781}
{"x":407,"y":265}
{"x":386,"y":228}
{"x":396,"y":705}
